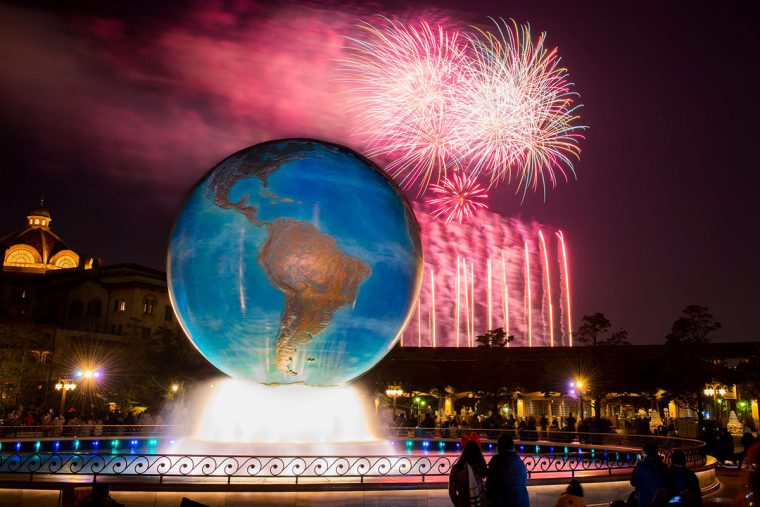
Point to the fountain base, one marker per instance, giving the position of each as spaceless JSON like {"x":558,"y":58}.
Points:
{"x":242,"y":418}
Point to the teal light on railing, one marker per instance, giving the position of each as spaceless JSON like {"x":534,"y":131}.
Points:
{"x":76,"y":445}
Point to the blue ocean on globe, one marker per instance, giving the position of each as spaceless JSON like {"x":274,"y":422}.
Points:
{"x":295,"y":261}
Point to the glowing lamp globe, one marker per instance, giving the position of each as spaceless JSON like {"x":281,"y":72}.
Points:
{"x":294,"y":261}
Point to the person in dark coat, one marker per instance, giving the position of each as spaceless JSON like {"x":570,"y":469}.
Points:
{"x":684,"y":482}
{"x":507,"y":480}
{"x":466,"y":476}
{"x":650,"y":476}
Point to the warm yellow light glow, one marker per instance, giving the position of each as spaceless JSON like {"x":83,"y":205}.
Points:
{"x":65,"y":385}
{"x":579,"y":384}
{"x":394,"y":392}
{"x":238,"y":411}
{"x":175,"y":388}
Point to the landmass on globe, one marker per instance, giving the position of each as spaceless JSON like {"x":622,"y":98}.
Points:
{"x":305,"y":264}
{"x":316,"y":277}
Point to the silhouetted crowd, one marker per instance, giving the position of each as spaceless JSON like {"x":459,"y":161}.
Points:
{"x":503,"y":481}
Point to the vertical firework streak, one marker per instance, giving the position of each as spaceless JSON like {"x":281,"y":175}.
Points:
{"x":528,"y":296}
{"x":505,"y":293}
{"x":490,"y":297}
{"x":548,"y":289}
{"x":453,"y":252}
{"x":466,"y":301}
{"x":472,"y":303}
{"x":456,"y":308}
{"x":566,"y":274}
{"x":419,"y":320}
{"x":432,"y":307}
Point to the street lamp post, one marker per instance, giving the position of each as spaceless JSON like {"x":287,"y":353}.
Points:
{"x":64,"y":386}
{"x":577,"y":386}
{"x":712,"y":391}
{"x":394,"y":392}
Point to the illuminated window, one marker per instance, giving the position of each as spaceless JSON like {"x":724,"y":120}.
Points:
{"x":120,"y":305}
{"x":36,"y":221}
{"x":20,"y":256}
{"x":149,"y":304}
{"x":66,"y":262}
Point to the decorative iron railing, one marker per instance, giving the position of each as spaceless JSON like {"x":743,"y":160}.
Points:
{"x":419,"y":467}
{"x":590,"y":454}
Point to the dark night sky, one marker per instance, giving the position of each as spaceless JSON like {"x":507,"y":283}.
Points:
{"x":114,"y":114}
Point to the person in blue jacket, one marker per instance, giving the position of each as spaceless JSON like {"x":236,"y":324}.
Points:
{"x":507,"y":478}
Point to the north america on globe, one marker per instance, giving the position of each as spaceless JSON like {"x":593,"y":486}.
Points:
{"x":295,"y":261}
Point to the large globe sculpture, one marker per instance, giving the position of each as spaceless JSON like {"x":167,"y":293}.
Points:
{"x":295,"y":261}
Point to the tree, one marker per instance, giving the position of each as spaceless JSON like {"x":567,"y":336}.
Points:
{"x":693,"y":328}
{"x":594,"y":327}
{"x":495,"y":338}
{"x":492,"y":378}
{"x":599,"y":358}
{"x":689,"y":367}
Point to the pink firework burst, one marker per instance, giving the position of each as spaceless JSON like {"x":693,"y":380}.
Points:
{"x":519,"y":110}
{"x":405,"y":81}
{"x":459,"y":197}
{"x":495,"y":103}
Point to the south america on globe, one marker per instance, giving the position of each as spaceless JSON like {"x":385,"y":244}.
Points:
{"x":294,"y":260}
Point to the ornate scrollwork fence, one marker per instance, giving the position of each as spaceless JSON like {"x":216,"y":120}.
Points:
{"x":572,"y":454}
{"x":361,"y":468}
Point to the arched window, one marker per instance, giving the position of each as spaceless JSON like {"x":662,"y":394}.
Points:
{"x":65,"y":262}
{"x":65,"y":259}
{"x":20,"y":255}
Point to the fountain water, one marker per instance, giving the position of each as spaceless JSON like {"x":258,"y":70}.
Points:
{"x":235,"y":417}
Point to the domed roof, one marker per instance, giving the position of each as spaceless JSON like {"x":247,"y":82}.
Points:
{"x":36,"y":246}
{"x":40,"y":211}
{"x":43,"y":240}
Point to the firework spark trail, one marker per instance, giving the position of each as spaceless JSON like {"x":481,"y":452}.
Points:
{"x":461,"y":195}
{"x":405,"y":81}
{"x":495,"y":103}
{"x":518,"y":109}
